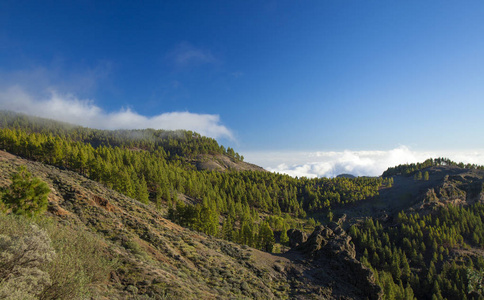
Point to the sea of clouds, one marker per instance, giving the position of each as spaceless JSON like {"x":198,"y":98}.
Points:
{"x":358,"y":163}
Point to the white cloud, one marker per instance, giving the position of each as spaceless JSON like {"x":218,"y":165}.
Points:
{"x":68,"y":108}
{"x":82,"y":79}
{"x":358,"y":163}
{"x":185,"y":54}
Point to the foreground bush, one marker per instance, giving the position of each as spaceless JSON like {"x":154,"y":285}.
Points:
{"x":23,"y":252}
{"x":43,"y":259}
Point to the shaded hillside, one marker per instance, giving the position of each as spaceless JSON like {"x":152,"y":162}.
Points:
{"x":158,"y":259}
{"x":447,"y":184}
{"x":423,"y":236}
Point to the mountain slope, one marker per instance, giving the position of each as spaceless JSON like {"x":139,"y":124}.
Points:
{"x":159,"y":259}
{"x":445,"y":185}
{"x":190,"y":147}
{"x":423,"y":236}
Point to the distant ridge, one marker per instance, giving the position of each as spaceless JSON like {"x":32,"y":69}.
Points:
{"x":346,"y":176}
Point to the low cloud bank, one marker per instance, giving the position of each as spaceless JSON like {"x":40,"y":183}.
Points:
{"x":358,"y":163}
{"x":68,"y":108}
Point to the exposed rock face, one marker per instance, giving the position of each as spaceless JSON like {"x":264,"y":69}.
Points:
{"x":330,"y":241}
{"x":296,"y":237}
{"x":333,"y":266}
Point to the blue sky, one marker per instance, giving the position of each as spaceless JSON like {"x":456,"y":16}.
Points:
{"x":265,"y":77}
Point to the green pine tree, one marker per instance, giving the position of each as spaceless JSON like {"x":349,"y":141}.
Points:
{"x":26,"y":195}
{"x":284,"y":239}
{"x":266,"y":237}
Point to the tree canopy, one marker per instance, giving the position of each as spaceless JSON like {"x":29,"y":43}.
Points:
{"x":26,"y":195}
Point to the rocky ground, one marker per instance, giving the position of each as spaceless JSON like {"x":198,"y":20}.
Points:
{"x":325,"y":266}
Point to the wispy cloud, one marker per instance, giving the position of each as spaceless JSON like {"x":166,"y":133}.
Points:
{"x":83,"y":79}
{"x":358,"y":163}
{"x":68,"y":108}
{"x":185,"y":55}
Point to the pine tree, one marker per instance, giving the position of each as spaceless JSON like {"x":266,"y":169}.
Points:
{"x":246,"y":235}
{"x":142,"y":193}
{"x":266,"y":237}
{"x":26,"y":195}
{"x":330,"y":215}
{"x":284,"y":239}
{"x":227,"y":229}
{"x":207,"y":220}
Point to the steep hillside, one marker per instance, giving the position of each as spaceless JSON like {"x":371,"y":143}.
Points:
{"x":178,"y":170}
{"x":161,"y":260}
{"x":445,"y":185}
{"x":423,"y":236}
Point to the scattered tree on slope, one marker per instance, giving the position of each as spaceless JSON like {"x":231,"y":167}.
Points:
{"x":26,"y":195}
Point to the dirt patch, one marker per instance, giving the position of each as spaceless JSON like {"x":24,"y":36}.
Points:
{"x":104,"y":203}
{"x":55,"y":209}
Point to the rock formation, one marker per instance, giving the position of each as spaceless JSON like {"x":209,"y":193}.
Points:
{"x":296,"y":237}
{"x":330,"y":263}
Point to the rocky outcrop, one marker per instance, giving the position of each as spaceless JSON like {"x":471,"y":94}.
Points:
{"x":330,"y":241}
{"x":296,"y":237}
{"x":333,"y":266}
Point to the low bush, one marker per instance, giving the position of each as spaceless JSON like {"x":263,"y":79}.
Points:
{"x":43,"y":259}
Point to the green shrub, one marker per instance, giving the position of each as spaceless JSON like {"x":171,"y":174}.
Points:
{"x":81,"y":261}
{"x":49,"y":260}
{"x":24,"y":250}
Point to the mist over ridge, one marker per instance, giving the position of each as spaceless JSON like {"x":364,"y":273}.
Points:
{"x":85,"y":112}
{"x":358,"y":163}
